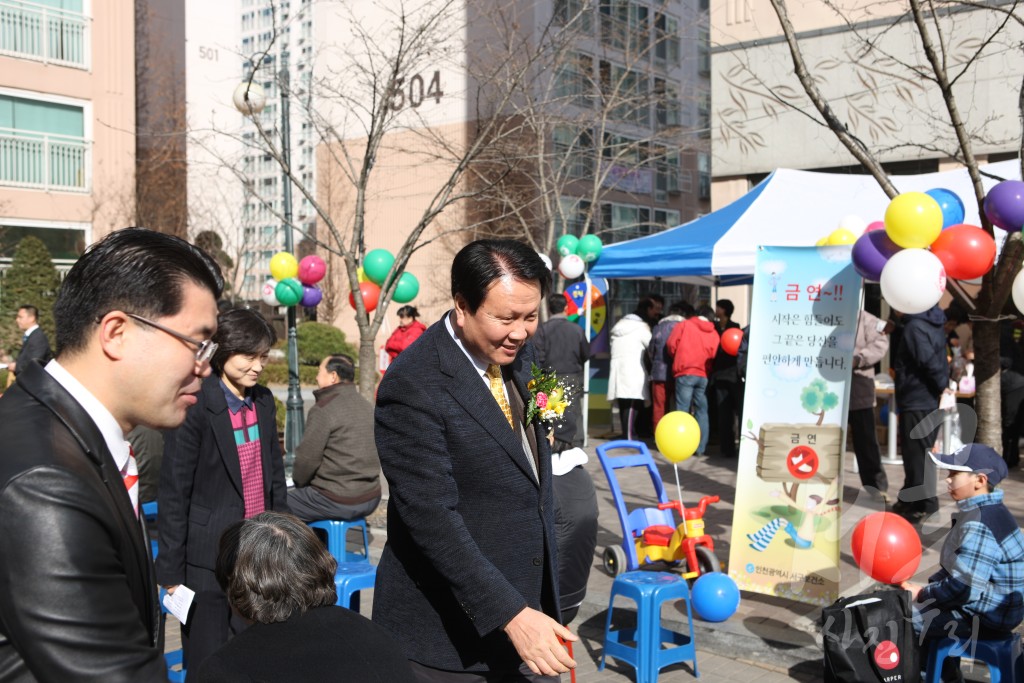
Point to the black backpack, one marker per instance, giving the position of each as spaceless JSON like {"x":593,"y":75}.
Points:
{"x":870,"y":638}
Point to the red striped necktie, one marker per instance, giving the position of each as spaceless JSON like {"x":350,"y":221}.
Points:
{"x":130,"y":474}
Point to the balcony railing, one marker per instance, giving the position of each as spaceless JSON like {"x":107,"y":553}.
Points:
{"x":46,"y":34}
{"x":45,"y":162}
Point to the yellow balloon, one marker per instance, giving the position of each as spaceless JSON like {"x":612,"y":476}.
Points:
{"x":913,"y":220}
{"x":283,"y":266}
{"x":841,"y":236}
{"x":677,"y":436}
{"x":822,"y":242}
{"x":361,"y":275}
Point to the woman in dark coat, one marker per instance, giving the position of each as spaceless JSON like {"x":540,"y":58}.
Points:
{"x":223,"y":465}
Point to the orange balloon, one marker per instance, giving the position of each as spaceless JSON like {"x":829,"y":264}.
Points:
{"x":731,"y":339}
{"x":370,"y":293}
{"x":886,"y":547}
{"x":966,"y":251}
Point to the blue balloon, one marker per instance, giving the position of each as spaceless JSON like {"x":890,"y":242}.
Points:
{"x":952,"y":207}
{"x":715,"y":596}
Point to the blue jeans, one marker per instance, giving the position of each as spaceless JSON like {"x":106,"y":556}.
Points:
{"x":691,"y":388}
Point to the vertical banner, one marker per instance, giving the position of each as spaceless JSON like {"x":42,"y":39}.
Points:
{"x":785,"y":528}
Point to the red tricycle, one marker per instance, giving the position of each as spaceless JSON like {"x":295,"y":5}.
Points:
{"x":650,"y":534}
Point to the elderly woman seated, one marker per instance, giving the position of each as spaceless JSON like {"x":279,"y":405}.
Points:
{"x":278,"y":576}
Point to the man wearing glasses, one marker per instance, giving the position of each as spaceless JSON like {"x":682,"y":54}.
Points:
{"x":78,"y":598}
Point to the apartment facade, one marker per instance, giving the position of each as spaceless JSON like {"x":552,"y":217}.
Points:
{"x":67,"y":123}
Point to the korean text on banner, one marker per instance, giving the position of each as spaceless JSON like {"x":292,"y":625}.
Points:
{"x":785,"y":533}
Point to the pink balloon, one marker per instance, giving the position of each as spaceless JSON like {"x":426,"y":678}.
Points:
{"x":875,"y":225}
{"x":312,"y":270}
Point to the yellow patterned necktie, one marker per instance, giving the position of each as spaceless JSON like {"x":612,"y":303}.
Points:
{"x":498,"y":391}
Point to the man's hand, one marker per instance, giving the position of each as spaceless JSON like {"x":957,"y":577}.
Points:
{"x":914,"y":588}
{"x":170,"y":589}
{"x":535,"y":637}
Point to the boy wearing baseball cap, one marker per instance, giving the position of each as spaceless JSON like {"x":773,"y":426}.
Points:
{"x":978,"y":591}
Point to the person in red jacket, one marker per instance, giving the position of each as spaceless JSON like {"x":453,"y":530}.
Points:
{"x":692,"y":346}
{"x":409,"y":330}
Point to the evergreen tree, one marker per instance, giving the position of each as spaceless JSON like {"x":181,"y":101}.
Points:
{"x":31,"y":279}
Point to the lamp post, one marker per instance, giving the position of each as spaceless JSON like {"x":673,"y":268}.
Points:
{"x":249,"y":99}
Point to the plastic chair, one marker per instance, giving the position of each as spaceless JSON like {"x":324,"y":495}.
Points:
{"x":1001,"y":656}
{"x":337,"y":531}
{"x":649,"y":590}
{"x":633,"y":523}
{"x":351,"y":578}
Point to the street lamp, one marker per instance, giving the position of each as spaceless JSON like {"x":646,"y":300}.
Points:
{"x":249,"y":99}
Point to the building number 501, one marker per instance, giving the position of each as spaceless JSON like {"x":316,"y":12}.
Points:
{"x":399,"y":95}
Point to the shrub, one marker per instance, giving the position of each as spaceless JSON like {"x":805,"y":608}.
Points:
{"x":316,"y":341}
{"x":277,"y":373}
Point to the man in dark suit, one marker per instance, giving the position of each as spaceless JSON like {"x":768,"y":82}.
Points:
{"x":468,"y":579}
{"x":34,"y":344}
{"x":78,"y":597}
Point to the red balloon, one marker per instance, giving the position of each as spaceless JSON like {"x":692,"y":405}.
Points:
{"x":886,"y":547}
{"x":731,"y":339}
{"x":966,"y":251}
{"x":370,"y":293}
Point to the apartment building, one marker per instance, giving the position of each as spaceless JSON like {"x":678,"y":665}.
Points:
{"x":67,"y":123}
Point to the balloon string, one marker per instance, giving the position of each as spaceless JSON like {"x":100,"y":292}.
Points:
{"x":679,"y":489}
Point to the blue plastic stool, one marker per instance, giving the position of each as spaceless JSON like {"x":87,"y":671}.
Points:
{"x":336,"y":538}
{"x":649,"y":590}
{"x":351,"y":578}
{"x":1001,"y":657}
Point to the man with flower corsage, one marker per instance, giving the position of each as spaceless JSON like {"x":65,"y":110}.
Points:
{"x":468,"y":580}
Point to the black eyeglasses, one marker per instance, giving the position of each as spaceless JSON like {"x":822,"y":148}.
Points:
{"x":204,"y":349}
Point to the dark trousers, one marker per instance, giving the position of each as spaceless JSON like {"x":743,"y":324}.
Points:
{"x":211,"y":623}
{"x":1013,"y":422}
{"x":425,"y":674}
{"x":865,"y":447}
{"x":918,"y":469}
{"x":728,"y":398}
{"x":629,"y":410}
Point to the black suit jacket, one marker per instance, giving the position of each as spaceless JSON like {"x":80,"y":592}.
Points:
{"x":200,"y":490}
{"x":36,"y":347}
{"x":78,"y":599}
{"x":470,"y":529}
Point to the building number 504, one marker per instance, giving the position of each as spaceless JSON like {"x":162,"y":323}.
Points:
{"x":399,"y":94}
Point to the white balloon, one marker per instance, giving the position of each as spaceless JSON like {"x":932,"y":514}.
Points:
{"x":571,"y":266}
{"x":268,"y":294}
{"x":547,"y":260}
{"x":913,"y":280}
{"x":1017,"y":291}
{"x":254,"y":103}
{"x":854,"y":224}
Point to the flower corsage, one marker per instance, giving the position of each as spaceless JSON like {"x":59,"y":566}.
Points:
{"x":548,"y":396}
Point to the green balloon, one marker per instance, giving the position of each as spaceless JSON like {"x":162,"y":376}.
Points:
{"x":377,"y":264}
{"x":567,"y":244}
{"x":589,"y":248}
{"x":288,"y":291}
{"x":406,"y":289}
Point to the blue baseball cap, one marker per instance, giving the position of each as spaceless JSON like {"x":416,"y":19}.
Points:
{"x":974,"y":457}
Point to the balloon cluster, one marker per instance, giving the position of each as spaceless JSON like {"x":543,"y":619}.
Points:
{"x":923,"y":240}
{"x":373,"y":275}
{"x":576,"y":253}
{"x":294,"y":282}
{"x":1004,"y":206}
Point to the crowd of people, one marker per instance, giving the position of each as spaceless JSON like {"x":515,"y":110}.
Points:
{"x":492,"y":523}
{"x":676,"y":362}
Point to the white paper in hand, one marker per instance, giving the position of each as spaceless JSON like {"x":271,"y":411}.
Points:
{"x":180,"y":602}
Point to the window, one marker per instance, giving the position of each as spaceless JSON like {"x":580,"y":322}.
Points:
{"x":62,"y":241}
{"x":704,"y":51}
{"x":627,"y":91}
{"x":573,"y":152}
{"x":574,"y":80}
{"x":43,"y":145}
{"x":46,"y":31}
{"x":614,"y":23}
{"x":666,"y":39}
{"x":574,"y":216}
{"x":704,"y":115}
{"x":639,"y":30}
{"x":704,"y":179}
{"x":668,"y":109}
{"x":575,"y":14}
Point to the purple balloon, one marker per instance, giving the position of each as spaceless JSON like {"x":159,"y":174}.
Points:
{"x":871,"y":252}
{"x":311,"y":296}
{"x":1004,"y":205}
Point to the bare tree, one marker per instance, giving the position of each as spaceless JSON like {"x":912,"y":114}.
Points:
{"x":599,"y":120}
{"x":875,"y":96}
{"x":366,"y":109}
